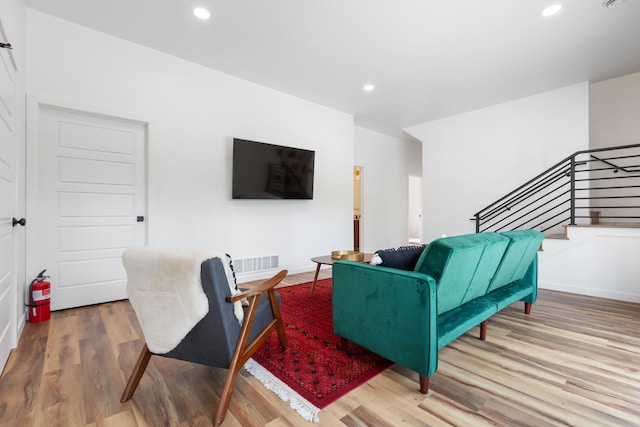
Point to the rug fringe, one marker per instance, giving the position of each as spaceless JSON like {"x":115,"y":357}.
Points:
{"x":302,"y":406}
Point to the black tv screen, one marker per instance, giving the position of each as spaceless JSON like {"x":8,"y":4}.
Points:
{"x":268,"y":171}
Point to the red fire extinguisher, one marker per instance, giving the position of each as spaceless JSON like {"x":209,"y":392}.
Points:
{"x":39,"y":298}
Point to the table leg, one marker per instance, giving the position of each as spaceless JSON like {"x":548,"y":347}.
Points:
{"x":315,"y":278}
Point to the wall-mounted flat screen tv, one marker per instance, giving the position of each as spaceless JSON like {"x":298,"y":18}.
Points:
{"x":268,"y":171}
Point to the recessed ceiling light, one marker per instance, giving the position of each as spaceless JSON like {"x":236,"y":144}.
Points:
{"x":201,"y":13}
{"x":551,"y":10}
{"x":368,"y":87}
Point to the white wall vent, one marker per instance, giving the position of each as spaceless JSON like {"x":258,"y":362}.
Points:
{"x":252,"y":265}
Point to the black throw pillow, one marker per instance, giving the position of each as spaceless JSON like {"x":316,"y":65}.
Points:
{"x":404,"y":257}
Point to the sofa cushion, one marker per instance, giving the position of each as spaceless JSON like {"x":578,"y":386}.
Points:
{"x":462,"y":266}
{"x":404,"y":257}
{"x":523,"y":247}
{"x":507,"y":295}
{"x":461,"y":319}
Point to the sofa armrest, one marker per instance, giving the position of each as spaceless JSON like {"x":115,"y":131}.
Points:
{"x":388,"y":311}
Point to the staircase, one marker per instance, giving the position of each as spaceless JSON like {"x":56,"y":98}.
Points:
{"x":588,"y":205}
{"x":587,"y":187}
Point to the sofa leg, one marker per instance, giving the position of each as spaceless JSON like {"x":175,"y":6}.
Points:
{"x":424,"y":384}
{"x":527,"y":308}
{"x":483,"y":330}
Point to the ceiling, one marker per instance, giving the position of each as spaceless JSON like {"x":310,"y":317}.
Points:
{"x":427,"y":59}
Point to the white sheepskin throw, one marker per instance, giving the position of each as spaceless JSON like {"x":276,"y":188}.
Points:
{"x":165,"y":290}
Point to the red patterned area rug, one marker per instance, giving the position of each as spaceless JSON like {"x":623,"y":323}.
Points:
{"x":313,"y":372}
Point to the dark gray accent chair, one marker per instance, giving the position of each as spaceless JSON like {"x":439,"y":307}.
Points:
{"x":218,"y":339}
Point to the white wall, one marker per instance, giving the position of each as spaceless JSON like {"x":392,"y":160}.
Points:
{"x":194,"y":113}
{"x":614,"y":106}
{"x":596,"y":261}
{"x":601,"y":261}
{"x":472,"y":159}
{"x":386,"y":164}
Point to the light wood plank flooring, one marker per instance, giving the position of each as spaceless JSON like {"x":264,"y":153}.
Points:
{"x":574,"y":361}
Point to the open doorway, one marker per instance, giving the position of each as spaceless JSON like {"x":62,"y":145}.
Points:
{"x":415,"y":209}
{"x":357,"y":206}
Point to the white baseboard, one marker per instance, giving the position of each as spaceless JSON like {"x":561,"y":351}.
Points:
{"x":601,"y":293}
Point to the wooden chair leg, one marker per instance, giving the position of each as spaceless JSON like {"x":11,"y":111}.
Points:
{"x":243,"y":351}
{"x":483,"y":330}
{"x":275,"y":309}
{"x":227,"y":391}
{"x":136,"y":374}
{"x":527,"y":308}
{"x":282,"y":336}
{"x":424,"y":384}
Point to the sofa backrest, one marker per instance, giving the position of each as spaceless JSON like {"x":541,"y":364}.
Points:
{"x":523,"y":247}
{"x":462,"y":266}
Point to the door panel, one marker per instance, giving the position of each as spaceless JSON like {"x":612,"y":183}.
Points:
{"x":91,"y":188}
{"x":87,"y":238}
{"x":108,"y":207}
{"x":96,"y":138}
{"x":8,"y":143}
{"x":96,"y":172}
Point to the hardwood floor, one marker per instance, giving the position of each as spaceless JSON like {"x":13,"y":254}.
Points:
{"x":574,"y":361}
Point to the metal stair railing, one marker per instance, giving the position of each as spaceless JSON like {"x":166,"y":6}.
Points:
{"x":570,"y":191}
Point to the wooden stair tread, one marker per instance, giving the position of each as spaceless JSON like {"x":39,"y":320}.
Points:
{"x":609,"y":225}
{"x":559,"y":236}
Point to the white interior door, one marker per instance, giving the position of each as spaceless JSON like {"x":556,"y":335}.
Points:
{"x":91,"y":183}
{"x":8,"y":144}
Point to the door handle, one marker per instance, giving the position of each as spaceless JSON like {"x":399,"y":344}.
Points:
{"x":20,"y":221}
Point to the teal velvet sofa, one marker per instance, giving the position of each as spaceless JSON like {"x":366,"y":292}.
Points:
{"x":458,"y":283}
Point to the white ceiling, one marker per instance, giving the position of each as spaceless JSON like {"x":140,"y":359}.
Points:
{"x":428,"y":59}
